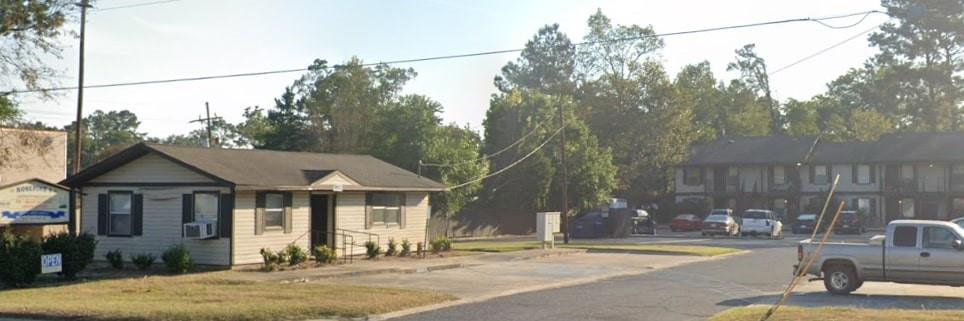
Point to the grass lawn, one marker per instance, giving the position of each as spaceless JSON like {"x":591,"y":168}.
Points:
{"x":206,"y":297}
{"x":836,"y":314}
{"x":509,"y":246}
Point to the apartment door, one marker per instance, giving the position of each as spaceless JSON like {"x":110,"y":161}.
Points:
{"x":320,"y":235}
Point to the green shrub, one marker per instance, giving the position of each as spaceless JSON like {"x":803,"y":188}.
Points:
{"x":77,"y":251}
{"x":325,"y":255}
{"x":441,"y":244}
{"x":19,"y":260}
{"x":406,"y":248}
{"x":270,"y":259}
{"x":177,"y":259}
{"x":296,"y":255}
{"x":372,"y":250}
{"x":115,"y":258}
{"x":392,"y":249}
{"x":143,"y":261}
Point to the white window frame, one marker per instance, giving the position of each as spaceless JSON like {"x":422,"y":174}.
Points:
{"x":782,"y":175}
{"x":863,"y":178}
{"x":217,"y":208}
{"x":383,"y":210}
{"x":905,"y":205}
{"x":906,"y":170}
{"x":111,"y":212}
{"x":279,"y":211}
{"x":691,"y":171}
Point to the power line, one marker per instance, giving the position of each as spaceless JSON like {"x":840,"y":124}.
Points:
{"x":824,"y":50}
{"x":510,"y":165}
{"x":134,"y":5}
{"x":448,"y":57}
{"x":487,"y":156}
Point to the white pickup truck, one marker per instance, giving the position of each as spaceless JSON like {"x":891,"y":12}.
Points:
{"x":912,"y":251}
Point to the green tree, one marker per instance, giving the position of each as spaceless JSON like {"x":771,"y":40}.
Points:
{"x":697,"y":87}
{"x":458,"y":148}
{"x":224,"y":134}
{"x":547,"y":64}
{"x":29,"y":34}
{"x":753,"y":73}
{"x":745,"y":113}
{"x":104,"y":135}
{"x":402,"y":130}
{"x":921,"y":52}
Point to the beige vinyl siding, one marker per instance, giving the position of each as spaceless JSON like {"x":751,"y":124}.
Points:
{"x":247,"y":245}
{"x":335,"y":178}
{"x":151,"y":168}
{"x":161,"y":229}
{"x":24,"y":162}
{"x":350,"y":215}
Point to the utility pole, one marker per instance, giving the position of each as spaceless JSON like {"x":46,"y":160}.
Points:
{"x":565,"y":174}
{"x":207,"y":120}
{"x":80,"y":87}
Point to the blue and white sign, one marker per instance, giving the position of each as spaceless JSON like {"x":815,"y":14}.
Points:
{"x":33,"y":202}
{"x":51,"y":263}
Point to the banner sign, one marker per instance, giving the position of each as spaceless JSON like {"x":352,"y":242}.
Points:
{"x":33,"y":202}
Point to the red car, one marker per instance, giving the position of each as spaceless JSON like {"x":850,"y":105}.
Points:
{"x":686,"y":222}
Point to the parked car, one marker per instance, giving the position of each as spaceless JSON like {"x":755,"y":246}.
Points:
{"x":719,"y":224}
{"x":849,"y":222}
{"x":643,"y":223}
{"x":911,"y":251}
{"x":760,"y":222}
{"x":805,"y":224}
{"x":721,"y":211}
{"x":686,"y":222}
{"x":589,"y":225}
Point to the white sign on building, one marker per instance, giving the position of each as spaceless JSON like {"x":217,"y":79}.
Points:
{"x":34,"y":202}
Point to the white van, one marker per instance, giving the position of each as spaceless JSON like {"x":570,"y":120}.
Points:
{"x":765,"y":222}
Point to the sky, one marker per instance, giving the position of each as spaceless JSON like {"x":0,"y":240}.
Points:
{"x":189,"y":38}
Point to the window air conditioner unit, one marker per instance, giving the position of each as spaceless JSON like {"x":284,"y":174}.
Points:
{"x":200,"y":230}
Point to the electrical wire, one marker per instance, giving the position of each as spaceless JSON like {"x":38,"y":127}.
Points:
{"x":824,"y":50}
{"x":134,"y":5}
{"x":487,"y":156}
{"x":517,"y":162}
{"x":446,"y":57}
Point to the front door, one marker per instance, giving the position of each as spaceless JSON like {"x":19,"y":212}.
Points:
{"x":319,"y":220}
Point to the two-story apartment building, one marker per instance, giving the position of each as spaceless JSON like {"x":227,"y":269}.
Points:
{"x":910,"y":175}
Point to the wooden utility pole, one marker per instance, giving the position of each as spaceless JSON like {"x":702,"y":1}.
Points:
{"x":207,"y":122}
{"x":565,"y":174}
{"x":80,"y":88}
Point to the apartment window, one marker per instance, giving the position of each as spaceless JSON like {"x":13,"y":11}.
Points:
{"x":732,"y":176}
{"x":865,"y":205}
{"x":862,"y":174}
{"x":907,"y":207}
{"x":386,"y":208}
{"x":938,"y":238}
{"x":780,"y":206}
{"x":692,"y":176}
{"x":905,"y":236}
{"x":120,"y":212}
{"x":274,"y":210}
{"x":821,"y":174}
{"x":779,"y":175}
{"x":957,"y":178}
{"x":907,"y":172}
{"x":206,"y":206}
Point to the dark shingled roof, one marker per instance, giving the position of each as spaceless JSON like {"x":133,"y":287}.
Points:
{"x":268,"y":169}
{"x":919,"y":147}
{"x":752,"y":150}
{"x":842,"y":152}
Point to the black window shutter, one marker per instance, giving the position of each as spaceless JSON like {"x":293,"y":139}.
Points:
{"x":137,"y":215}
{"x":855,"y":172}
{"x":102,"y":216}
{"x":259,"y":213}
{"x":770,"y":174}
{"x":812,"y":173}
{"x":368,"y":210}
{"x":226,"y":215}
{"x":404,"y":211}
{"x":288,"y":222}
{"x":187,"y":209}
{"x":873,"y":174}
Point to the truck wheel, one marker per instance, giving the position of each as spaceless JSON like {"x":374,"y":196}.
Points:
{"x":840,"y":279}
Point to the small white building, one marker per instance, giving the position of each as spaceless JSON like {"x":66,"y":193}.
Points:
{"x":235,"y":202}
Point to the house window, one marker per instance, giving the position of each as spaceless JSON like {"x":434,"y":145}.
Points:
{"x":863,"y":174}
{"x":821,"y":174}
{"x":692,"y":176}
{"x":274,"y":210}
{"x":907,"y":207}
{"x":386,"y":208}
{"x":864,"y":206}
{"x":120,"y":212}
{"x":779,"y":175}
{"x":206,"y":207}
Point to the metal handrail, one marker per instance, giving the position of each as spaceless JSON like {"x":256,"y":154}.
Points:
{"x":370,"y":235}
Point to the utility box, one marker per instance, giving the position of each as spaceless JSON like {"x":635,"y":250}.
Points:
{"x":547,"y":224}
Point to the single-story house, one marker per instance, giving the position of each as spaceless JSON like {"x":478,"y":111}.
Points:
{"x":225,"y":205}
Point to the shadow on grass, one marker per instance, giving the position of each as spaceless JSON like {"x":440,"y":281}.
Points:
{"x":854,"y":300}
